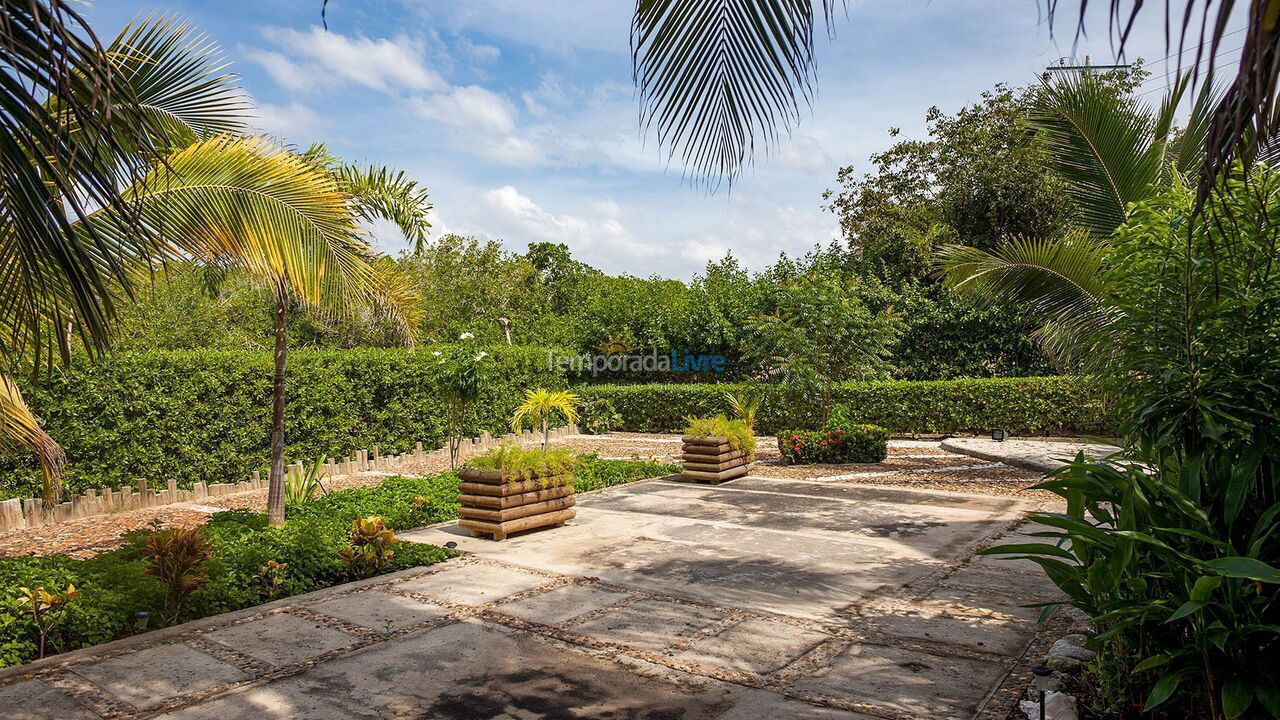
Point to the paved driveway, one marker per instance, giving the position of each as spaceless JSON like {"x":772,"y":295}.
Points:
{"x":762,"y":598}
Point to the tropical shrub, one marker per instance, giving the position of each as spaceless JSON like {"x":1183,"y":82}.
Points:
{"x":463,"y":372}
{"x":745,"y":403}
{"x":178,"y":559}
{"x":739,"y":432}
{"x":1173,"y":548}
{"x":1025,"y":406}
{"x":304,"y":486}
{"x":598,"y":416}
{"x":368,"y":549}
{"x":839,"y":443}
{"x":205,"y":416}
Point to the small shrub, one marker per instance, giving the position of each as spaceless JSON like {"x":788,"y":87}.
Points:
{"x":745,"y":403}
{"x":369,"y":549}
{"x":598,"y":416}
{"x":529,"y":463}
{"x":179,"y":560}
{"x":47,"y":609}
{"x":302,"y":487}
{"x":837,"y":444}
{"x":738,"y":431}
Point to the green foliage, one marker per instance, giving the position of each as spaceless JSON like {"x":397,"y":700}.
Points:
{"x":464,"y":370}
{"x":205,"y":416}
{"x":841,"y":442}
{"x":739,"y":432}
{"x":519,"y":463}
{"x":823,"y":332}
{"x":303,"y":487}
{"x":1173,"y":548}
{"x":745,"y":404}
{"x":594,"y":473}
{"x":541,"y":407}
{"x":1027,"y":406}
{"x":598,"y":416}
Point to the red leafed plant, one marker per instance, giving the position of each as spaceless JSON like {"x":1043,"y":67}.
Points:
{"x":179,"y":560}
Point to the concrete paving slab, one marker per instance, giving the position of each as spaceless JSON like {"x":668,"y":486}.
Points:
{"x":160,"y":674}
{"x":33,"y":700}
{"x":650,"y":624}
{"x":379,"y":610}
{"x":906,"y":681}
{"x":755,"y":646}
{"x":561,"y":604}
{"x":772,"y":599}
{"x":473,"y":584}
{"x":281,"y":638}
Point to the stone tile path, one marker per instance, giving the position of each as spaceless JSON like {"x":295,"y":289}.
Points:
{"x":761,"y":598}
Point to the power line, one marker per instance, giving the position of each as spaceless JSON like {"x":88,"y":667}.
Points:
{"x":1154,"y":78}
{"x":1197,"y":47}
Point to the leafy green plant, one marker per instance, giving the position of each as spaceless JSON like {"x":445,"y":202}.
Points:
{"x":1173,"y":548}
{"x":47,"y":609}
{"x":303,"y":487}
{"x":271,"y":576}
{"x":529,"y":463}
{"x":540,"y":406}
{"x":462,"y":373}
{"x":598,"y":415}
{"x":179,"y":560}
{"x":839,"y":443}
{"x":369,"y":550}
{"x":738,"y":431}
{"x":745,"y":403}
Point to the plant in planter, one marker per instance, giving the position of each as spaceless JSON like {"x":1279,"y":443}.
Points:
{"x":511,"y":489}
{"x":717,"y":449}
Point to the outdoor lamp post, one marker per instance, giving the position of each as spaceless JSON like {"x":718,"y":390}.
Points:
{"x":1042,"y":677}
{"x":998,"y":435}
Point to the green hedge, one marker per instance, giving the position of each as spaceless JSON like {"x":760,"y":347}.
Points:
{"x":205,"y":415}
{"x":1025,"y":406}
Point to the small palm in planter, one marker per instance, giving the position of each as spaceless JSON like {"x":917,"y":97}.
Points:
{"x":717,"y":449}
{"x":511,"y":489}
{"x":540,"y":406}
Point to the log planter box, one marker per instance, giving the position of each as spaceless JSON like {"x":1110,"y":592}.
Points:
{"x":497,"y":504}
{"x":713,"y":460}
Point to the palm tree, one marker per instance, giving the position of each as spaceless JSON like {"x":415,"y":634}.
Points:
{"x":1111,"y":150}
{"x":541,"y":405}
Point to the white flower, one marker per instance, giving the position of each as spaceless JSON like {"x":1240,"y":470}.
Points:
{"x":440,"y":361}
{"x":465,"y":336}
{"x":481,"y":356}
{"x":436,"y":353}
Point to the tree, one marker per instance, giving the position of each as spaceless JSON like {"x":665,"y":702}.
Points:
{"x":1111,"y":151}
{"x":540,"y":406}
{"x":822,"y":333}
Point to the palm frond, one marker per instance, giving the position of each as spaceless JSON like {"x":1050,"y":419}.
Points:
{"x":20,"y":430}
{"x":235,"y":201}
{"x":71,"y":135}
{"x":716,"y":77}
{"x":179,"y":79}
{"x":380,"y":192}
{"x":393,"y":298}
{"x":1105,"y":147}
{"x":1056,"y":282}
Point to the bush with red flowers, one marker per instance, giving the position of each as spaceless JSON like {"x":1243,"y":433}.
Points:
{"x":837,"y":444}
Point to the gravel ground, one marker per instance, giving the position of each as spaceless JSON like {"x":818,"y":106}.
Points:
{"x":87,"y":536}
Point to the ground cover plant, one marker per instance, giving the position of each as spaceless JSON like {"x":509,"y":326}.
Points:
{"x":325,"y":541}
{"x":840,"y":442}
{"x":518,"y":463}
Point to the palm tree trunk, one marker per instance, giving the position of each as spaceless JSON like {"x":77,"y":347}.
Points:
{"x":546,"y":433}
{"x":275,"y":492}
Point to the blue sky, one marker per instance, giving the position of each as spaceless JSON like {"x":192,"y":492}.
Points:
{"x":521,"y":118}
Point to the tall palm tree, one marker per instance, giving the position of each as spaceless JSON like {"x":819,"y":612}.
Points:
{"x":1111,"y":150}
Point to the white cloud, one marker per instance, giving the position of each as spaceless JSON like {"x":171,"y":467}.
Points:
{"x":480,"y":121}
{"x":294,"y":121}
{"x":601,"y":238}
{"x":317,"y":57}
{"x":478,"y":52}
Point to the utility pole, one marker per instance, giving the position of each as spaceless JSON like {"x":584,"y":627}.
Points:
{"x":1062,"y":66}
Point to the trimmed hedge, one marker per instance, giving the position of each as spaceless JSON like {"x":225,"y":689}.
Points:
{"x":836,"y":444}
{"x":1024,"y":406}
{"x":206,"y":415}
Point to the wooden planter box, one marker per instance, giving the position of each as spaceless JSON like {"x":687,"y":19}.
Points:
{"x":713,"y":460}
{"x":493,"y":504}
